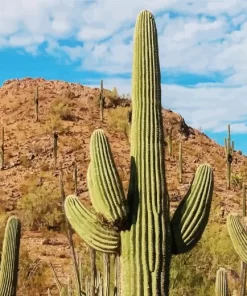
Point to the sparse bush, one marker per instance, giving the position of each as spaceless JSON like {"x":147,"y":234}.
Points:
{"x":33,"y":275}
{"x":41,"y":206}
{"x":194,"y":273}
{"x":61,"y":108}
{"x":237,"y":180}
{"x":117,"y":119}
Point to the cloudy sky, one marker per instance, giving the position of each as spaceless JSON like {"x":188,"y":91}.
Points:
{"x":202,"y":44}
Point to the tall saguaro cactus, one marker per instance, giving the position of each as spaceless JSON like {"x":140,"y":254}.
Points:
{"x":10,"y":257}
{"x":229,"y":148}
{"x":139,"y":228}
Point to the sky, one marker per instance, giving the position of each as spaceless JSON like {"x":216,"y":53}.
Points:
{"x":202,"y":49}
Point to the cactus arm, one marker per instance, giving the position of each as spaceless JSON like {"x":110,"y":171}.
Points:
{"x":221,"y":283}
{"x":191,"y":216}
{"x":238,"y":235}
{"x":105,"y":187}
{"x":96,"y":235}
{"x":10,"y":257}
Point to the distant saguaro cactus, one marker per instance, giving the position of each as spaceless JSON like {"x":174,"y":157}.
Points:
{"x":55,"y":146}
{"x":2,"y":150}
{"x":169,"y":140}
{"x":229,"y":149}
{"x":180,"y":162}
{"x":36,"y":103}
{"x":139,"y":229}
{"x":101,"y":101}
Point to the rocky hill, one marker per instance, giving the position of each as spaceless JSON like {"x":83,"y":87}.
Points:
{"x":29,"y":183}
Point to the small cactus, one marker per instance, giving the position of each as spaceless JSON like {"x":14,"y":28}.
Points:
{"x":229,"y":149}
{"x":221,"y":283}
{"x":36,"y":103}
{"x":169,"y":141}
{"x":2,"y":150}
{"x":101,"y":101}
{"x":180,"y":163}
{"x":55,"y":146}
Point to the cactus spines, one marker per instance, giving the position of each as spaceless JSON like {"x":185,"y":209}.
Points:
{"x":229,"y":149}
{"x":190,"y":218}
{"x":2,"y":150}
{"x":93,"y":271}
{"x":10,"y":257}
{"x":36,"y":103}
{"x":101,"y":101}
{"x":106,"y":190}
{"x":106,"y":259}
{"x":55,"y":140}
{"x":221,"y":284}
{"x":180,"y":162}
{"x":243,"y":264}
{"x":238,"y":235}
{"x":145,"y":244}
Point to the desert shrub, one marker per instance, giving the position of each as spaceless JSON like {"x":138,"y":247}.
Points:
{"x":41,"y":206}
{"x":194,"y":273}
{"x":61,"y":108}
{"x":33,"y":275}
{"x":117,"y":119}
{"x":237,"y":180}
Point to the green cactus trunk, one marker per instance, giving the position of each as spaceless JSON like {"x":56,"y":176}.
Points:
{"x":10,"y":257}
{"x":147,"y":243}
{"x":141,"y":231}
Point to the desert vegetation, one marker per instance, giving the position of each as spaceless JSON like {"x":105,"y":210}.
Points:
{"x":103,"y":195}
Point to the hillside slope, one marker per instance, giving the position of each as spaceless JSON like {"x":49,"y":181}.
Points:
{"x":72,"y":110}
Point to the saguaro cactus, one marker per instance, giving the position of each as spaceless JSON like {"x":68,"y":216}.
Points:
{"x":55,"y":146}
{"x":180,"y":163}
{"x":101,"y":101}
{"x":2,"y":150}
{"x":10,"y":257}
{"x":229,"y":148}
{"x":243,"y":264}
{"x":139,"y":228}
{"x":221,"y":283}
{"x":169,"y":140}
{"x":36,"y":103}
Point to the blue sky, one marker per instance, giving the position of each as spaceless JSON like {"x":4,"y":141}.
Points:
{"x":202,"y":46}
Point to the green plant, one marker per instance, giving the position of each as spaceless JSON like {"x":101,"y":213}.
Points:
{"x":180,"y":162}
{"x":237,"y":180}
{"x":10,"y":257}
{"x":40,"y":207}
{"x":139,"y":228}
{"x":36,"y":103}
{"x":229,"y":149}
{"x":2,"y":150}
{"x":61,"y":107}
{"x":221,"y":284}
{"x":101,"y":100}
